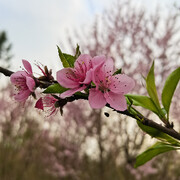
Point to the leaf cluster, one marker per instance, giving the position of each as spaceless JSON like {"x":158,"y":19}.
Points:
{"x":152,"y":103}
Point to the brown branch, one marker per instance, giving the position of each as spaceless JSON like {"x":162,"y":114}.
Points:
{"x":150,"y":123}
{"x":6,"y":72}
{"x":145,"y":121}
{"x":169,"y":131}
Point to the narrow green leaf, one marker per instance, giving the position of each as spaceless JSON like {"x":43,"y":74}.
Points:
{"x":169,"y":88}
{"x":156,"y":149}
{"x":70,"y":59}
{"x":117,"y":72}
{"x":151,"y":87}
{"x":143,"y":101}
{"x":82,"y":94}
{"x":62,"y":58}
{"x":149,"y":130}
{"x":158,"y":134}
{"x":55,"y":88}
{"x":78,"y":52}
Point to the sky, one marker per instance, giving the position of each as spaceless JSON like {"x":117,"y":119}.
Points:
{"x":35,"y":27}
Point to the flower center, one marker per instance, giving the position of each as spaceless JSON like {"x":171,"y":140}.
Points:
{"x":104,"y":85}
{"x":21,"y":83}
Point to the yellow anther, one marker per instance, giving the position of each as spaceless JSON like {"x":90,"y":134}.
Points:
{"x":107,"y":80}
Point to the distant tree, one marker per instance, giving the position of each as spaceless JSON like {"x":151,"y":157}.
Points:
{"x":5,"y":50}
{"x":61,"y":151}
{"x":133,"y":37}
{"x":28,"y":151}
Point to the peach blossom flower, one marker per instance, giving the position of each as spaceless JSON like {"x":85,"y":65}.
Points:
{"x":109,"y":88}
{"x":24,"y":82}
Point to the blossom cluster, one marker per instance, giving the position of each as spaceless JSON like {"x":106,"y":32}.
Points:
{"x":95,"y":76}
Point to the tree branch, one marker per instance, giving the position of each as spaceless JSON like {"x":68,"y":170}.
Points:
{"x":145,"y":121}
{"x":6,"y":72}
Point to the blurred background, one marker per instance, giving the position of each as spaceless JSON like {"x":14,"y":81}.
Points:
{"x":84,"y":144}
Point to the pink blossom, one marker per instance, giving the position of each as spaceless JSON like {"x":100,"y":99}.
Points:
{"x":49,"y":103}
{"x":47,"y":74}
{"x":79,"y":77}
{"x":39,"y":104}
{"x":24,"y":82}
{"x":109,"y":88}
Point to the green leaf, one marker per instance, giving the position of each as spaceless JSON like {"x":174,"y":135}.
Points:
{"x":81,"y":94}
{"x":55,"y":88}
{"x":78,"y":52}
{"x":149,"y":130}
{"x":64,"y":61}
{"x":158,"y":134}
{"x":143,"y":101}
{"x":163,"y":111}
{"x":169,"y":88}
{"x":70,"y":59}
{"x":151,"y":87}
{"x":156,"y":149}
{"x":117,"y":72}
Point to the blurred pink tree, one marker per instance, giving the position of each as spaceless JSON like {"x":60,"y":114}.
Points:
{"x":87,"y":144}
{"x":133,"y":37}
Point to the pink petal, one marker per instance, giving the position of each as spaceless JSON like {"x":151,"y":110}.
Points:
{"x":96,"y":99}
{"x":97,"y":74}
{"x":121,"y":84}
{"x":66,"y":78}
{"x":41,"y":70}
{"x":39,"y":104}
{"x":83,"y":62}
{"x":97,"y":60}
{"x":49,"y":101}
{"x":16,"y":75}
{"x":22,"y":95}
{"x":30,"y":83}
{"x":116,"y":101}
{"x":70,"y":92}
{"x":108,"y":67}
{"x":102,"y":71}
{"x":88,"y":77}
{"x":27,"y":66}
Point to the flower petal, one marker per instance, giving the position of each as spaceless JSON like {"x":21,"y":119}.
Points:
{"x":14,"y":77}
{"x":96,"y":99}
{"x":121,"y":84}
{"x":30,"y":83}
{"x":39,"y":104}
{"x":108,"y":67}
{"x":41,"y":69}
{"x":102,"y":71}
{"x":83,"y":63}
{"x":22,"y":95}
{"x":70,"y":92}
{"x":27,"y":66}
{"x":88,"y":77}
{"x":97,"y":74}
{"x":116,"y":101}
{"x":97,"y":60}
{"x":66,"y":78}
